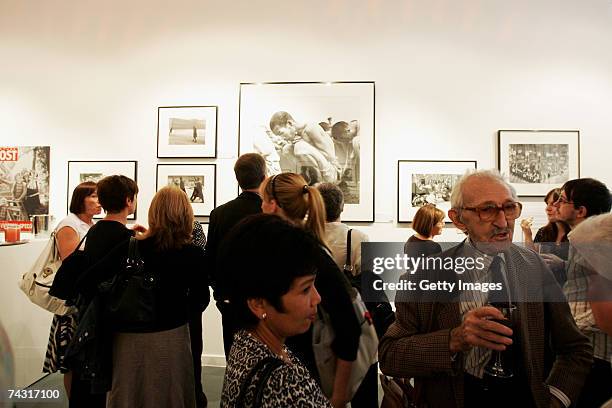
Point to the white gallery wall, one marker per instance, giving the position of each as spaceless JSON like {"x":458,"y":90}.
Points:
{"x":87,"y":77}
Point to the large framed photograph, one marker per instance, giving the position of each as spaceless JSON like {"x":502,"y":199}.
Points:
{"x":81,"y":171}
{"x":198,"y":181}
{"x":323,"y":131}
{"x":187,"y":131}
{"x":536,"y":161}
{"x":24,"y":184}
{"x":421,"y":182}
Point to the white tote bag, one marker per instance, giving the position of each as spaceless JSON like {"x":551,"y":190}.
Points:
{"x":38,"y":280}
{"x":322,"y":337}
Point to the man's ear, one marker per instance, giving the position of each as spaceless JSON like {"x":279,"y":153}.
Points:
{"x":256,"y":306}
{"x":582,"y":212}
{"x":455,"y":217}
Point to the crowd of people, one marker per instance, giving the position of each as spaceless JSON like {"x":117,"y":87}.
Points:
{"x":278,"y":254}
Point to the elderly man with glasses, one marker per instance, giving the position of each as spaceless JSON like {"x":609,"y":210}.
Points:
{"x":449,"y":341}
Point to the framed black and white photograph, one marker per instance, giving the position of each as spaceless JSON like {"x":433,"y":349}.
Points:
{"x":323,"y":131}
{"x":421,"y":182}
{"x":536,"y":161}
{"x":187,"y":131}
{"x":81,"y":171}
{"x":198,"y":181}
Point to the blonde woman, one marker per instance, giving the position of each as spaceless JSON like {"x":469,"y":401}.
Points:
{"x":289,"y":196}
{"x":158,"y":356}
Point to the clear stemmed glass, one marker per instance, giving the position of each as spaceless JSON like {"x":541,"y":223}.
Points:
{"x":498,"y":366}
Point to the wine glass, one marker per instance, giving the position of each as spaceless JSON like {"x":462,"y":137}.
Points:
{"x":499,"y":366}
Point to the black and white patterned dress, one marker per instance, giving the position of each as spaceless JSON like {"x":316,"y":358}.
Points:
{"x":289,"y":385}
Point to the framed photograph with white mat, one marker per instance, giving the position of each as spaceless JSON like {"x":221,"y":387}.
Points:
{"x":198,"y":181}
{"x":323,"y":131}
{"x":187,"y":131}
{"x":421,"y":182}
{"x":80,"y":171}
{"x":536,"y":161}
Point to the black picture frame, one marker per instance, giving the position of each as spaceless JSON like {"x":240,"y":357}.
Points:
{"x":536,"y":161}
{"x":187,"y":132}
{"x":94,"y":170}
{"x":320,"y":104}
{"x":411,"y":196}
{"x":192,"y":174}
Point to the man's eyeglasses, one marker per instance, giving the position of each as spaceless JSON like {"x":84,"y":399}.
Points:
{"x":562,"y":200}
{"x":488,"y":212}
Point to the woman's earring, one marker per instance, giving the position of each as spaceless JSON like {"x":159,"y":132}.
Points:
{"x":263,"y":316}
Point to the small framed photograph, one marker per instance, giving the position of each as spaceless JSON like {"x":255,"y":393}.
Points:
{"x":323,"y":131}
{"x":536,"y":161}
{"x":187,"y":131}
{"x":421,"y":182}
{"x":81,"y":171}
{"x":198,"y":181}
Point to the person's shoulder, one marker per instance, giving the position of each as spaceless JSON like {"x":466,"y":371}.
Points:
{"x":360,"y":235}
{"x":68,"y":221}
{"x":525,"y":254}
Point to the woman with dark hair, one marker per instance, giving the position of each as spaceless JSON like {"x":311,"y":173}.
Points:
{"x":274,"y":297}
{"x":152,"y":362}
{"x":289,"y":196}
{"x":427,"y":223}
{"x":67,"y":234}
{"x":551,"y":238}
{"x":117,"y":196}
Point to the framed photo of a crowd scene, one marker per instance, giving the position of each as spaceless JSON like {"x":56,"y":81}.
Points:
{"x":81,"y":171}
{"x":24,"y":184}
{"x":198,"y":181}
{"x":421,"y":182}
{"x":536,"y":161}
{"x":321,"y":130}
{"x":187,"y":131}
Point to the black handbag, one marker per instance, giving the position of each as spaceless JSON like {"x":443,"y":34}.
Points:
{"x":129,"y":298}
{"x":266,"y":366}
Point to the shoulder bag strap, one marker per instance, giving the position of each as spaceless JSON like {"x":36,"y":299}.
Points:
{"x":266,"y":365}
{"x":348,"y":266}
{"x":81,"y":241}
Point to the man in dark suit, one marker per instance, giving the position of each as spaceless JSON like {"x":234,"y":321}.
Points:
{"x":446,"y":340}
{"x":250,"y":171}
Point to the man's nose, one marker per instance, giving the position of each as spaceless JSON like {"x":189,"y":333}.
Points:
{"x":500,"y":219}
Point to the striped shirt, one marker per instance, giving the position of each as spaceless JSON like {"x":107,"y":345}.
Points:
{"x":576,"y":290}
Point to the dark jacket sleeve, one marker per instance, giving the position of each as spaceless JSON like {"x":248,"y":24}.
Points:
{"x":103,"y":270}
{"x":212,"y":245}
{"x":334,"y":289}
{"x":199,"y":296}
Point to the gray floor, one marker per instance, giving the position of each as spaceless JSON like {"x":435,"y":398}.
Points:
{"x":212,"y":379}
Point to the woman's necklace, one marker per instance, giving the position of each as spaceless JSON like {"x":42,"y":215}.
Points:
{"x":283,"y":354}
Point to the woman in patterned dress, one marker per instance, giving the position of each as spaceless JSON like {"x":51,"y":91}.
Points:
{"x":68,"y":233}
{"x":274,"y":297}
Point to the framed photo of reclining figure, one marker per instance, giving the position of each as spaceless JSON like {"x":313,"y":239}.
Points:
{"x":198,"y":182}
{"x":536,"y":161}
{"x":421,"y":182}
{"x":187,"y":131}
{"x":321,"y":130}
